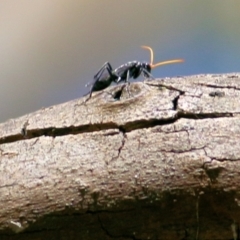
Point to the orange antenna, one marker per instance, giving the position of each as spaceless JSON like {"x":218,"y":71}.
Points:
{"x":151,"y":53}
{"x":160,"y":63}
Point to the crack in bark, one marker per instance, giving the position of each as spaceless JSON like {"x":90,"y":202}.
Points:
{"x":123,"y":141}
{"x":222,"y":160}
{"x":103,"y":228}
{"x":124,"y":137}
{"x":175,"y":102}
{"x":128,"y":127}
{"x":24,"y":129}
{"x":167,"y":87}
{"x":196,"y":116}
{"x":110,"y":235}
{"x":183,"y":151}
{"x":217,"y":86}
{"x":212,"y":171}
{"x":211,"y":159}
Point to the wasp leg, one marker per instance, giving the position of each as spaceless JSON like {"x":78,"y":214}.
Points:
{"x":98,"y":76}
{"x":117,"y":95}
{"x":107,"y":66}
{"x":127,"y":83}
{"x":147,"y":74}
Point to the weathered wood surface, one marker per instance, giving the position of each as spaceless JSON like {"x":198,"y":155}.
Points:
{"x":161,"y":164}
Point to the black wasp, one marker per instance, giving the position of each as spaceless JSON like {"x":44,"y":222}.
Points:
{"x":106,"y":75}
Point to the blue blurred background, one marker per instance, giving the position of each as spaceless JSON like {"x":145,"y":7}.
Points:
{"x":49,"y":50}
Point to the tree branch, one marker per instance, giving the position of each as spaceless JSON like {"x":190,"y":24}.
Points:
{"x":162,"y":163}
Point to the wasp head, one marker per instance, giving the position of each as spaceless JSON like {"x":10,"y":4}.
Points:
{"x":146,"y":66}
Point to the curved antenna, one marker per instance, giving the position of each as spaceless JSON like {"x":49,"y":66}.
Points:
{"x":151,"y":53}
{"x":160,"y":63}
{"x":167,"y":62}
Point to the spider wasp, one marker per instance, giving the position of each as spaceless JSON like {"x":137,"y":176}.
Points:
{"x":133,"y":69}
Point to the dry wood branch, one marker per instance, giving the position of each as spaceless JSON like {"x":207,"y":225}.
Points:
{"x":160,"y":164}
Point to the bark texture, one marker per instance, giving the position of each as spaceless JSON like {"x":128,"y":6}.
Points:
{"x":162,"y":163}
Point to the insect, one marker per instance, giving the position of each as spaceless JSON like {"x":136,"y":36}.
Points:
{"x":106,"y":75}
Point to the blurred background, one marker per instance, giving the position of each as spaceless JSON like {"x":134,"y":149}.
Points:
{"x":49,"y":50}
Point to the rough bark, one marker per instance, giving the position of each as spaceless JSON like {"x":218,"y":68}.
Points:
{"x":162,"y":163}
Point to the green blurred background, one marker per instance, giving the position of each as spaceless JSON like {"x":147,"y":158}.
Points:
{"x":49,"y":49}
